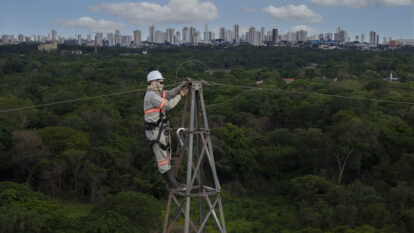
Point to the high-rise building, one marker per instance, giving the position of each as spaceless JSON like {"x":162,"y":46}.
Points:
{"x":79,"y":40}
{"x":275,"y":35}
{"x":177,"y":37}
{"x":98,"y":38}
{"x":118,"y":38}
{"x":357,"y":38}
{"x":206,"y":33}
{"x":151,"y":34}
{"x":88,"y":39}
{"x":372,"y":38}
{"x":196,"y":39}
{"x":328,"y":36}
{"x":222,"y":33}
{"x":137,"y":37}
{"x":170,"y":35}
{"x":126,"y":40}
{"x":362,"y":38}
{"x":20,"y":38}
{"x":262,"y":36}
{"x":253,"y":37}
{"x":236,"y":34}
{"x":193,"y":32}
{"x":343,"y":36}
{"x":321,"y":37}
{"x":54,"y":35}
{"x":111,"y":38}
{"x":302,"y":36}
{"x":159,"y":37}
{"x":185,"y":36}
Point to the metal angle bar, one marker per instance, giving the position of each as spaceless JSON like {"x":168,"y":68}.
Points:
{"x":200,"y":159}
{"x":214,"y":213}
{"x":199,"y":168}
{"x":221,"y":213}
{"x":167,"y":213}
{"x":176,"y":216}
{"x":207,"y":216}
{"x":211,"y":160}
{"x":182,"y":211}
{"x":212,"y":164}
{"x":189,"y":164}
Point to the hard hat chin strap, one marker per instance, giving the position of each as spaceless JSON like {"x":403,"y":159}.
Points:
{"x":158,"y":88}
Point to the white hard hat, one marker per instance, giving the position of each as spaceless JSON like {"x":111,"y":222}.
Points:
{"x":154,"y":75}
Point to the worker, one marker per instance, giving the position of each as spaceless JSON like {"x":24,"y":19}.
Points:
{"x":156,"y":102}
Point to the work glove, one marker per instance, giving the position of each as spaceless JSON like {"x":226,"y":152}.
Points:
{"x":185,"y":83}
{"x":184,"y":91}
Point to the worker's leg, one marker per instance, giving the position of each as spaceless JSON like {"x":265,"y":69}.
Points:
{"x":163,"y":159}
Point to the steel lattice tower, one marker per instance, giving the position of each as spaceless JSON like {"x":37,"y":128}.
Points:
{"x":197,"y":144}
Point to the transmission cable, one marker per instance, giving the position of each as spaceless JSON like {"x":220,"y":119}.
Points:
{"x":78,"y":99}
{"x":307,"y":93}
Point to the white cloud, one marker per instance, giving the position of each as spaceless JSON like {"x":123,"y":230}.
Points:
{"x":299,"y":13}
{"x":90,"y":24}
{"x":363,"y":3}
{"x":310,"y":30}
{"x":248,"y":9}
{"x":176,"y":11}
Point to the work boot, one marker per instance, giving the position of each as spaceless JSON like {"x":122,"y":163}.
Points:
{"x":172,"y":183}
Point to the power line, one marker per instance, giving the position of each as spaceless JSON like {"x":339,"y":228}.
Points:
{"x":308,"y":93}
{"x":210,"y":105}
{"x":230,"y":100}
{"x":76,"y":100}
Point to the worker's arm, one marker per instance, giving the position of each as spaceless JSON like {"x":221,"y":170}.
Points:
{"x":173,"y":92}
{"x":163,"y":103}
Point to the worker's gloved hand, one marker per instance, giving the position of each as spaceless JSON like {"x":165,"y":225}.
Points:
{"x":185,"y":83}
{"x":184,"y":91}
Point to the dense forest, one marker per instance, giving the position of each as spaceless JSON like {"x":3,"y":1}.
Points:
{"x":331,"y":152}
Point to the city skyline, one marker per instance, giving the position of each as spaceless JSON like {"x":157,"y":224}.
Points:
{"x":389,"y":18}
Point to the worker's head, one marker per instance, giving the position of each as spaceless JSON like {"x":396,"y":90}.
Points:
{"x":155,"y":80}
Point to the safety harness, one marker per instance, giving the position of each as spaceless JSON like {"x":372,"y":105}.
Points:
{"x":161,"y":124}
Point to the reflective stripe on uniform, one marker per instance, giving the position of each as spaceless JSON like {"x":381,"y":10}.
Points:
{"x":151,"y":110}
{"x":163,"y":162}
{"x":162,"y":103}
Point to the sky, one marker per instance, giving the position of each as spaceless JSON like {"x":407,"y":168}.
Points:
{"x":389,"y":18}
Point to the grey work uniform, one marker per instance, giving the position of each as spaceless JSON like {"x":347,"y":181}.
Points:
{"x":156,"y":119}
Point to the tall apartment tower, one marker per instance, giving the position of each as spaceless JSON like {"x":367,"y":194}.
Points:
{"x":54,"y":35}
{"x":206,"y":33}
{"x":236,"y":34}
{"x":20,"y":38}
{"x":88,"y":39}
{"x":222,"y":33}
{"x":362,"y":38}
{"x":373,"y":38}
{"x":169,"y":33}
{"x":185,"y":36}
{"x":275,"y":35}
{"x":137,"y":38}
{"x":151,"y":34}
{"x":193,"y":38}
{"x":99,"y":38}
{"x":118,"y":38}
{"x":262,"y":35}
{"x":111,"y":38}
